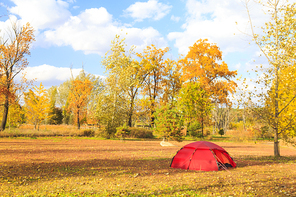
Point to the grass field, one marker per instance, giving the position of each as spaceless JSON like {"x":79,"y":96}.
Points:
{"x":63,"y":166}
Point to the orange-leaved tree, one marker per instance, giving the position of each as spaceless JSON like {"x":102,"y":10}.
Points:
{"x":37,"y":105}
{"x":204,"y":64}
{"x":78,"y":97}
{"x":152,"y":63}
{"x":13,"y":49}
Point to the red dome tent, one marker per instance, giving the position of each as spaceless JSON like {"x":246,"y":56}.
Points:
{"x":203,"y":156}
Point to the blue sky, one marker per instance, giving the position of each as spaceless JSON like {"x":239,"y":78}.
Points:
{"x":76,"y":32}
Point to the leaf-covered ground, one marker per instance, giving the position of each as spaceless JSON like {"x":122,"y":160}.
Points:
{"x":91,"y":167}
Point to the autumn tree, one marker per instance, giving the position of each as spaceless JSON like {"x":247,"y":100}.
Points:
{"x":13,"y":49}
{"x":152,"y":62}
{"x":277,"y":105}
{"x":37,"y":105}
{"x":78,"y":97}
{"x":62,"y":97}
{"x":203,"y":64}
{"x":15,"y":115}
{"x":172,"y":82}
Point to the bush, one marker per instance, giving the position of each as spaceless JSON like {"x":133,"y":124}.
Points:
{"x":88,"y":133}
{"x":136,"y":132}
{"x":193,"y":129}
{"x":221,"y":132}
{"x":122,"y":132}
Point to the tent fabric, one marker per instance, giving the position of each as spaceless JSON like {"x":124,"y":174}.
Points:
{"x":203,"y":156}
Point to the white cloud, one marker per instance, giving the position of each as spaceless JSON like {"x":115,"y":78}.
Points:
{"x":93,"y":30}
{"x":216,"y":20}
{"x":41,"y":14}
{"x":150,"y":9}
{"x":44,"y":73}
{"x":50,"y":75}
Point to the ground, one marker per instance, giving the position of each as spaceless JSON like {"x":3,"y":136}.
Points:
{"x":63,"y":166}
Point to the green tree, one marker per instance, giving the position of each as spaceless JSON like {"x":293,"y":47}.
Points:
{"x":55,"y":116}
{"x":168,"y":122}
{"x":127,"y":73}
{"x":221,"y":132}
{"x":111,"y":106}
{"x":195,"y":104}
{"x":62,"y":100}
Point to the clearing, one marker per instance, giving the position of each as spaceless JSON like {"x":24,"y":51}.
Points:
{"x":90,"y":167}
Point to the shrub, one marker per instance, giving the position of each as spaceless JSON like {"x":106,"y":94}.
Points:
{"x":221,"y":132}
{"x":107,"y":133}
{"x":56,"y":116}
{"x":88,"y":133}
{"x":122,"y":132}
{"x":193,"y":129}
{"x":136,"y":132}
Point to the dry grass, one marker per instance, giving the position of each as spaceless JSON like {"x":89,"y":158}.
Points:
{"x":88,"y":167}
{"x":28,"y":130}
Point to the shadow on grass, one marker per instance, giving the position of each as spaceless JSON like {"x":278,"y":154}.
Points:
{"x":113,"y":167}
{"x":95,"y":167}
{"x":251,"y":160}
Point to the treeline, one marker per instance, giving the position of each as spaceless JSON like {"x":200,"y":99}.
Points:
{"x":145,"y":88}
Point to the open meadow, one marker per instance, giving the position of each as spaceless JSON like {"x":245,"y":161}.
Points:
{"x":64,"y":166}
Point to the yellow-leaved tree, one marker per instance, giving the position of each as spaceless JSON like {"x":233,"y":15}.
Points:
{"x":276,"y":106}
{"x":153,"y":64}
{"x":37,"y":105}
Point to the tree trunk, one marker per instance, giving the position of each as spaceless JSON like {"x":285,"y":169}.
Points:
{"x":130,"y":119}
{"x":78,"y":121}
{"x":202,"y":126}
{"x":130,"y":115}
{"x":5,"y":114}
{"x":276,"y":143}
{"x":152,"y":119}
{"x":152,"y":111}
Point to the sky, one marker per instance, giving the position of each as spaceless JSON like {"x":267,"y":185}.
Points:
{"x":76,"y":33}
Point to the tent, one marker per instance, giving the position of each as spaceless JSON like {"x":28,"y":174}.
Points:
{"x":203,"y":156}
